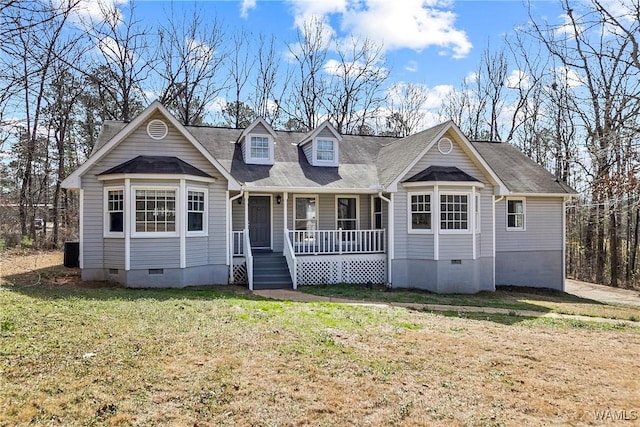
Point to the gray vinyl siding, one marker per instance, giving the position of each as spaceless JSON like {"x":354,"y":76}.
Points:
{"x":152,"y":252}
{"x":114,"y":253}
{"x":325,"y":133}
{"x":140,"y":144}
{"x":307,"y":149}
{"x":197,"y":251}
{"x":237,"y":215}
{"x":417,"y":246}
{"x":484,"y":240}
{"x":277,"y":225}
{"x":161,"y":252}
{"x":457,"y":158}
{"x":543,"y":226}
{"x":451,"y":246}
{"x":217,"y":223}
{"x":93,"y":223}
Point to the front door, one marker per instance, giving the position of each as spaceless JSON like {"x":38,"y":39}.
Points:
{"x":260,"y":221}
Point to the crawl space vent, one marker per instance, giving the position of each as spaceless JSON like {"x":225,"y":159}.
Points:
{"x":157,"y":129}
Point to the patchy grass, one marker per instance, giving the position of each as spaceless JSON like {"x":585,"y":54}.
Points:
{"x":110,"y":356}
{"x":543,"y":300}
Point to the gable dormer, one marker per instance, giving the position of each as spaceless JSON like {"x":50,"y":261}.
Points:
{"x":321,"y":146}
{"x":258,"y":141}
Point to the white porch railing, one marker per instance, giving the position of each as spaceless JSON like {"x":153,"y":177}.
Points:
{"x":290,"y":256}
{"x":248,"y":258}
{"x":337,"y":241}
{"x":238,"y":243}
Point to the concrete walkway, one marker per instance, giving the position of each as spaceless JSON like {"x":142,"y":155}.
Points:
{"x":602,"y":293}
{"x":297,"y":296}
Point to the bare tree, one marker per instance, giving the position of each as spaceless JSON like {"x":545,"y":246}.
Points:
{"x":606,"y":103}
{"x":354,"y":91}
{"x":239,"y":69}
{"x":304,"y":105}
{"x":190,"y":61}
{"x":270,"y":83}
{"x":406,"y":111}
{"x":123,"y":61}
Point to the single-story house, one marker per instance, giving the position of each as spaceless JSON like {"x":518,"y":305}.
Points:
{"x":167,"y":205}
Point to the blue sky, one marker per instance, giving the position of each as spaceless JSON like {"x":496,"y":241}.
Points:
{"x":442,"y":51}
{"x":435,"y":43}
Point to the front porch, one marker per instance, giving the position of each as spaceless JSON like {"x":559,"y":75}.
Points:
{"x":316,"y":257}
{"x":324,"y":237}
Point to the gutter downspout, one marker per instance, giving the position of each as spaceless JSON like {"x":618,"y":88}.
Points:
{"x":230,"y":232}
{"x":390,"y":220}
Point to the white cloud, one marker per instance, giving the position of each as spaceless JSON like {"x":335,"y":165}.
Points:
{"x":411,"y":66}
{"x":93,"y":9}
{"x":415,"y":24}
{"x":246,"y":6}
{"x":518,"y":79}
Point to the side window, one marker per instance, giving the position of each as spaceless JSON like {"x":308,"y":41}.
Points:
{"x":196,"y":201}
{"x":420,"y":212}
{"x":515,"y":214}
{"x":114,"y":220}
{"x":377,"y":213}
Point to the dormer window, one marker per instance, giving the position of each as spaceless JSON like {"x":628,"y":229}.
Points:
{"x":259,"y":148}
{"x":258,"y":142}
{"x":321,"y":146}
{"x":325,"y":150}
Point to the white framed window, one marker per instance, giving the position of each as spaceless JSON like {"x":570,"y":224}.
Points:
{"x":376,"y":212}
{"x":305,"y":213}
{"x":259,"y":148}
{"x":454,"y":212}
{"x":325,"y":150}
{"x":516,"y":211}
{"x":154,"y":212}
{"x":196,"y":212}
{"x":347,"y":212}
{"x":420,"y":218}
{"x":114,"y":212}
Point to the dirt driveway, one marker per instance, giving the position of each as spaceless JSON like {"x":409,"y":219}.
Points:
{"x":602,"y":293}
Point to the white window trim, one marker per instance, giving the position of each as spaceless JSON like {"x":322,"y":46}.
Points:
{"x":410,"y":228}
{"x":467,"y":230}
{"x":348,"y":196}
{"x":106,"y":232}
{"x":524,"y":214}
{"x":179,"y":213}
{"x":205,"y":214}
{"x":373,"y":212}
{"x":295,"y":203}
{"x":319,"y":162}
{"x":259,"y":160}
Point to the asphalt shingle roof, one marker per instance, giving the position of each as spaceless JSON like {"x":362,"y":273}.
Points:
{"x":441,"y":173}
{"x":366,"y":162}
{"x":518,"y":172}
{"x":156,"y":164}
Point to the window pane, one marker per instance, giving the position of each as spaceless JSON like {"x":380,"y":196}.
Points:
{"x":421,"y":221}
{"x":259,"y":147}
{"x":324,"y":150}
{"x":155,"y":210}
{"x":116,"y":221}
{"x":454,"y":212}
{"x":195,"y":222}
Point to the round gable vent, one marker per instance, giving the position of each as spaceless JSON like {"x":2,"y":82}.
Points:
{"x":157,"y":129}
{"x":445,"y":145}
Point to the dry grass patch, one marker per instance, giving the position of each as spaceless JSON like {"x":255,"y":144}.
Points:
{"x":111,"y":356}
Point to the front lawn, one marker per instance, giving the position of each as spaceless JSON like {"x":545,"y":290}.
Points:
{"x":512,"y":298}
{"x":74,"y":355}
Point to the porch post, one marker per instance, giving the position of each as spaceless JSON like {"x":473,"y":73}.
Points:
{"x":285,"y":200}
